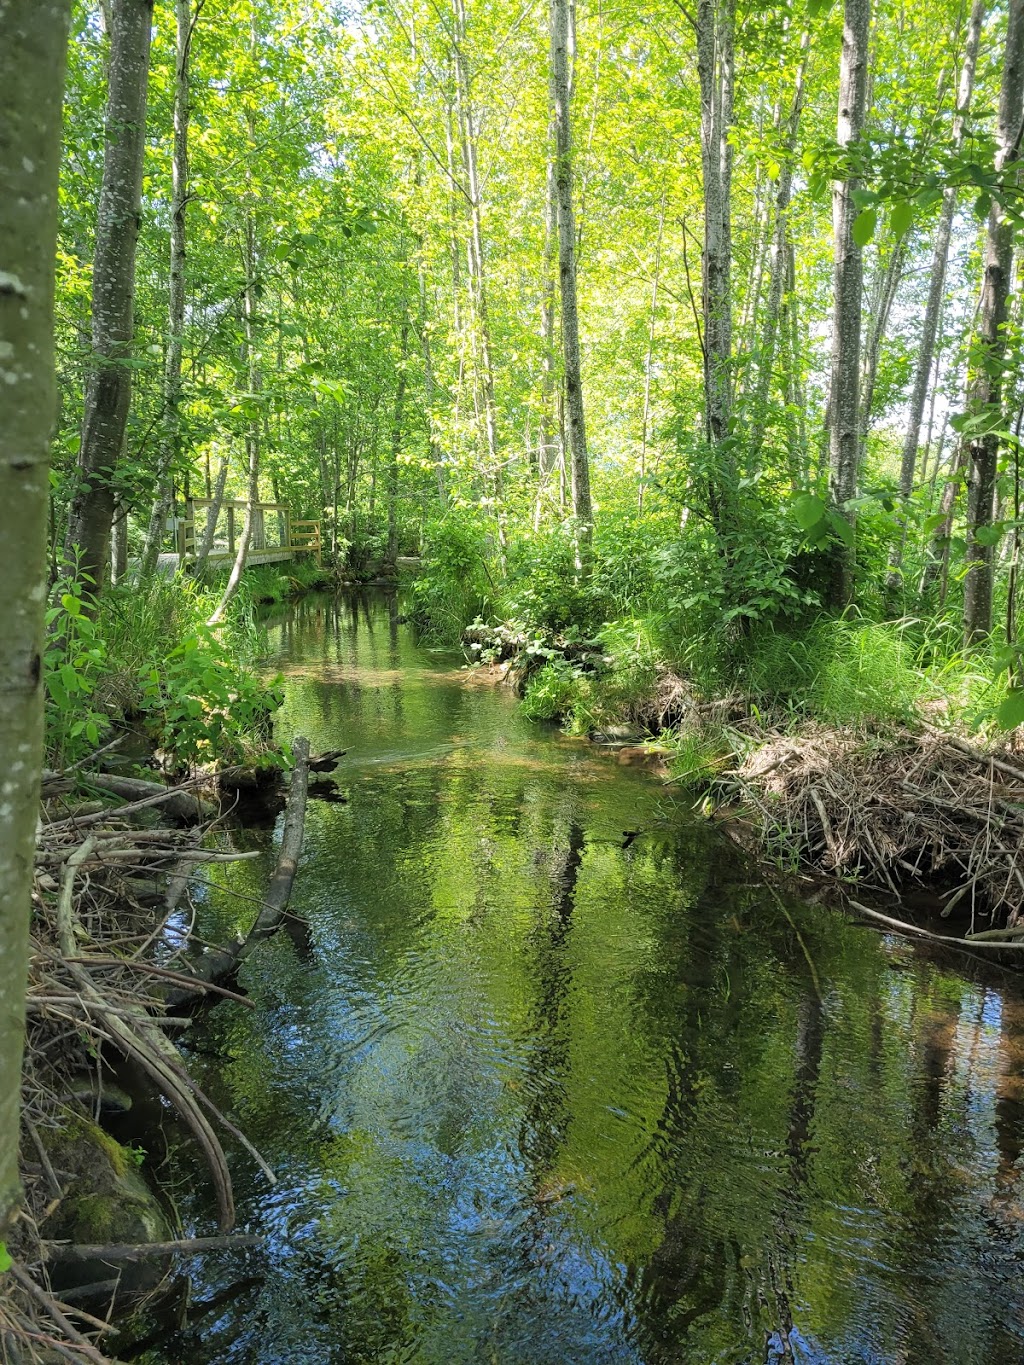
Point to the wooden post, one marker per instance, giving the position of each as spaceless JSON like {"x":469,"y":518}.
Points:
{"x":231,"y":530}
{"x":288,"y":528}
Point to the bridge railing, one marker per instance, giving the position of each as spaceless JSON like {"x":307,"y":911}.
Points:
{"x":273,"y":536}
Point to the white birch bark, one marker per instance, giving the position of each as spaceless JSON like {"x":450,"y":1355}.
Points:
{"x":171,"y":424}
{"x":848,"y":276}
{"x":576,"y":437}
{"x":985,"y":388}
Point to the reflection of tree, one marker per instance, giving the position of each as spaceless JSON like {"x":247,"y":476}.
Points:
{"x":547,"y":1116}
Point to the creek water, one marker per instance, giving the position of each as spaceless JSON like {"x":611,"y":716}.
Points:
{"x":550,"y":1076}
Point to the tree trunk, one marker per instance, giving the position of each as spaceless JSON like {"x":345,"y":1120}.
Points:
{"x":579,"y":464}
{"x":715,"y":22}
{"x":985,"y":388}
{"x":108,"y":389}
{"x":936,"y":286}
{"x":649,"y":361}
{"x":212,"y":517}
{"x":548,"y":446}
{"x":779,"y":271}
{"x":844,"y":387}
{"x":170,"y":434}
{"x":33,"y":42}
{"x":888,"y":282}
{"x":396,"y":447}
{"x":252,"y":438}
{"x":477,"y":273}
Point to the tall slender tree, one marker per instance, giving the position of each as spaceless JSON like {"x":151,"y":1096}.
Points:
{"x":108,"y":394}
{"x":985,"y":390}
{"x":936,"y":285}
{"x":33,"y":42}
{"x":185,"y":22}
{"x":579,"y":463}
{"x":847,"y":287}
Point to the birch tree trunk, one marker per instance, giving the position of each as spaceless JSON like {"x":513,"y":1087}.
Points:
{"x":576,"y":437}
{"x":779,"y":268}
{"x":844,"y":387}
{"x":252,"y":438}
{"x":715,"y":23}
{"x":649,"y":359}
{"x":171,"y":424}
{"x":212,"y":517}
{"x":548,"y":445}
{"x":936,"y":286}
{"x":108,"y":389}
{"x":985,"y":388}
{"x":33,"y":42}
{"x":888,"y":282}
{"x":396,"y":446}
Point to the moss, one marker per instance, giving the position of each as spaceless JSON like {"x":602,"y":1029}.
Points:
{"x":106,"y":1198}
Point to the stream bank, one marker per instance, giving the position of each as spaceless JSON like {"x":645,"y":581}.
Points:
{"x":898,"y":810}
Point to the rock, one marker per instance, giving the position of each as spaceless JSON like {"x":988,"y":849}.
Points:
{"x":106,"y":1200}
{"x":617,"y":734}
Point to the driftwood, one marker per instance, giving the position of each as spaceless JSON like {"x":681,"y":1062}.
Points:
{"x":178,"y":803}
{"x":142,"y":1251}
{"x":220,"y":964}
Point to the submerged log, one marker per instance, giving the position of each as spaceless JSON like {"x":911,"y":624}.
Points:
{"x":220,"y":964}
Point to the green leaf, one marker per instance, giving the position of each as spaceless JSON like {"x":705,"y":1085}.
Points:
{"x":901,"y":217}
{"x":841,"y":528}
{"x":989,"y":535}
{"x":1011,"y":709}
{"x":864,"y":226}
{"x":6,"y":1260}
{"x":809,"y":510}
{"x":932,"y":523}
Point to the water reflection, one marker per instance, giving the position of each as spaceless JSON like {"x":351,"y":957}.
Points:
{"x":545,"y":1089}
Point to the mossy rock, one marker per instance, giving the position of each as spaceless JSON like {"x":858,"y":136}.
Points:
{"x":106,"y":1201}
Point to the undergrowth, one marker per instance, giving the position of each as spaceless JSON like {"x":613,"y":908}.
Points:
{"x":144,"y":653}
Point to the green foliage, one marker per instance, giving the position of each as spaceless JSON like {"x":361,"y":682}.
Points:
{"x":201,"y":707}
{"x":453,"y":586}
{"x":145,"y":651}
{"x":74,"y":658}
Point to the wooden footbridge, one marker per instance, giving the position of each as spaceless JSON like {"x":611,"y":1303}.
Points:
{"x":275,"y":535}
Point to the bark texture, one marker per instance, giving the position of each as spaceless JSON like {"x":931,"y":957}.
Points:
{"x":715,"y":23}
{"x":33,"y":41}
{"x":985,"y":389}
{"x":848,"y":278}
{"x":108,"y":391}
{"x":936,"y":285}
{"x":576,"y":435}
{"x":171,"y":425}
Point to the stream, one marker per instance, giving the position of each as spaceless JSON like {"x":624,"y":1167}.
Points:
{"x":550,"y":1076}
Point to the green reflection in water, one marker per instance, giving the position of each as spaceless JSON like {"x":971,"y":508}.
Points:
{"x":549,"y":1077}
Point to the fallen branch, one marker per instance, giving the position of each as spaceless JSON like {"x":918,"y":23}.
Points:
{"x":142,"y":1251}
{"x":220,"y":964}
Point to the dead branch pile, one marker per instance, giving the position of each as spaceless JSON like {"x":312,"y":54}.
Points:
{"x":892,"y":811}
{"x":112,"y":942}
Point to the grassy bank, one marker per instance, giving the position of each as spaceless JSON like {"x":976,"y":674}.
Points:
{"x":144,"y":656}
